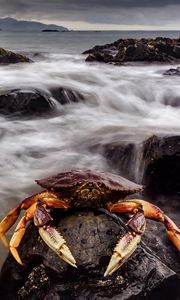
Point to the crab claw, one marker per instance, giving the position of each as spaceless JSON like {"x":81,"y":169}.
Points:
{"x":127,"y":244}
{"x":123,"y":250}
{"x":56,"y":242}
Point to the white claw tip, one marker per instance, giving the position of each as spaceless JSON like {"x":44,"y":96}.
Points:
{"x":114,"y":264}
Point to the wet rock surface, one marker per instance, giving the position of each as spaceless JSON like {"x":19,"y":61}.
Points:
{"x":65,"y":95}
{"x":156,"y":161}
{"x":9,"y":57}
{"x":129,"y":50}
{"x":91,"y":237}
{"x":18,"y":103}
{"x":173,"y":72}
{"x":161,"y":162}
{"x":24,"y":103}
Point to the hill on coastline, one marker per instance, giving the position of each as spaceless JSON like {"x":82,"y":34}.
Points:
{"x":10,"y":24}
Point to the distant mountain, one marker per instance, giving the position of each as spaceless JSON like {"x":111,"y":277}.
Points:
{"x":10,"y":24}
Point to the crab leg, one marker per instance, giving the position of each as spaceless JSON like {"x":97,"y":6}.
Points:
{"x":21,"y":226}
{"x":10,"y":219}
{"x":19,"y":232}
{"x":153,"y":212}
{"x":128,"y":243}
{"x":51,"y":236}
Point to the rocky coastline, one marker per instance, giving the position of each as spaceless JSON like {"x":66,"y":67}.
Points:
{"x":162,"y":50}
{"x":153,"y":272}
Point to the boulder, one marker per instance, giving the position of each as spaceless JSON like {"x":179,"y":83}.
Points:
{"x":125,"y":50}
{"x":65,"y":95}
{"x":161,"y":164}
{"x":91,"y":236}
{"x":31,"y":102}
{"x":18,"y":103}
{"x":9,"y":57}
{"x":155,"y":163}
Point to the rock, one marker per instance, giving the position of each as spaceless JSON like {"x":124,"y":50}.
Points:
{"x":25,"y":103}
{"x":161,"y":164}
{"x":173,"y":72}
{"x":121,"y":157}
{"x":18,"y":103}
{"x":156,"y":239}
{"x":155,"y":163}
{"x":176,"y":51}
{"x":91,"y":57}
{"x":65,"y":95}
{"x":172,"y":100}
{"x":91,"y":237}
{"x":150,"y":50}
{"x":9,"y":57}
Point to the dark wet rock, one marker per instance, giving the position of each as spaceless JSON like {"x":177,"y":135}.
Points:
{"x":156,"y":239}
{"x":25,"y":103}
{"x":173,"y":72}
{"x":121,"y":157}
{"x":172,"y":100}
{"x":91,"y":237}
{"x":149,"y":50}
{"x":161,"y":164}
{"x":9,"y":57}
{"x":155,"y":163}
{"x":18,"y":103}
{"x":65,"y":95}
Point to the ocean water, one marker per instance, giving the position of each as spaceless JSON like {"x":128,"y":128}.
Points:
{"x":72,"y":42}
{"x":122,"y":104}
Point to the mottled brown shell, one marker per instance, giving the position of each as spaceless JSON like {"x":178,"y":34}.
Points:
{"x":72,"y":178}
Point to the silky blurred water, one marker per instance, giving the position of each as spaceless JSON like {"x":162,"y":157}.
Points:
{"x":121,"y":104}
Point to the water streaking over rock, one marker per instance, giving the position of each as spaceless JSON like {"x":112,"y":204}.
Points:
{"x":126,"y":104}
{"x":120,"y":104}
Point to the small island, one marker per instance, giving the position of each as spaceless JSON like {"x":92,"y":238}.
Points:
{"x":50,"y":30}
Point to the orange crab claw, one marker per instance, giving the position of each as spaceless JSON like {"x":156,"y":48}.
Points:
{"x":10,"y":219}
{"x":153,"y":212}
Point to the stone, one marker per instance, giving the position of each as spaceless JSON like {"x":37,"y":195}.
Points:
{"x":161,"y":163}
{"x":65,"y":95}
{"x":31,"y":102}
{"x":9,"y":57}
{"x":18,"y":103}
{"x":128,"y":50}
{"x":91,"y":236}
{"x":155,"y":162}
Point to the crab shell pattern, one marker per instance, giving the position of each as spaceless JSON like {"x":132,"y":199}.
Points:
{"x":90,"y":189}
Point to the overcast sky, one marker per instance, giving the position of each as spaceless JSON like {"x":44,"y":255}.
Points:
{"x":97,"y":14}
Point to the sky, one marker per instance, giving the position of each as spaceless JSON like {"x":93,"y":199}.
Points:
{"x":97,"y":14}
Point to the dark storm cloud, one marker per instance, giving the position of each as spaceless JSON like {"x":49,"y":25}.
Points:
{"x":142,"y":12}
{"x":19,"y":5}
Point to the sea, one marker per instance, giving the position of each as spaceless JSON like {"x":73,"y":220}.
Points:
{"x":122,"y":104}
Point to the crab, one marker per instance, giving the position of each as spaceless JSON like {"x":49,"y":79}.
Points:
{"x":85,"y":189}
